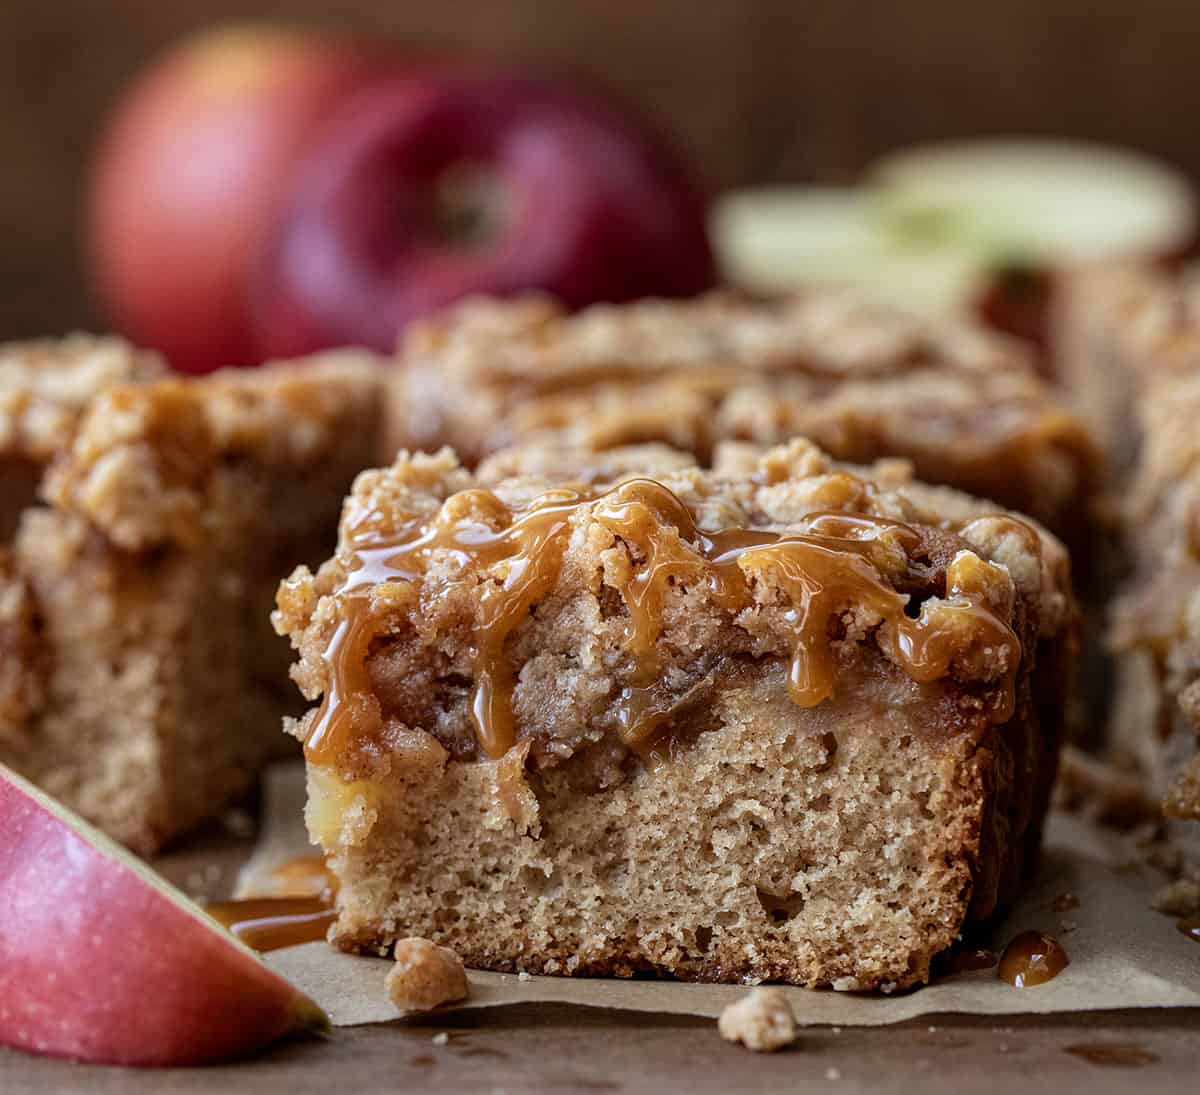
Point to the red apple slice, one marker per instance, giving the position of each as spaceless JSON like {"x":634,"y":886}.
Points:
{"x":102,"y":960}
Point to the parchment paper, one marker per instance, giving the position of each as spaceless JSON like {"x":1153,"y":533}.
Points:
{"x":1123,"y":954}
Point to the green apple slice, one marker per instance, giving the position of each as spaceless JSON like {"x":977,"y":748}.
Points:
{"x":1036,"y":202}
{"x":780,"y":238}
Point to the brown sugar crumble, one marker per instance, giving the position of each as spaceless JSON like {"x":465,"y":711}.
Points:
{"x":425,"y":976}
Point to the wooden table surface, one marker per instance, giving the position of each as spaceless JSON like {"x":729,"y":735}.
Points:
{"x":553,"y":1048}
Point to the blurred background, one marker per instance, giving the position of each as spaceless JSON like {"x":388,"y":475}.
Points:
{"x":753,"y":91}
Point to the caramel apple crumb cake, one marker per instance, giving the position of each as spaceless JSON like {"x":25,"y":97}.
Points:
{"x":1131,"y":338}
{"x":863,"y":382}
{"x":141,"y":683}
{"x":781,"y":719}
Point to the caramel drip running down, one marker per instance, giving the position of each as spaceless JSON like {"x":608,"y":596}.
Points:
{"x":1032,"y":958}
{"x":833,"y":562}
{"x":533,"y":546}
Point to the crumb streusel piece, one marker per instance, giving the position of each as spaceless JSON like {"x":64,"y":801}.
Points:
{"x":45,"y":386}
{"x":425,"y":976}
{"x":781,"y":719}
{"x":863,"y":382}
{"x":141,"y":683}
{"x":762,"y":1021}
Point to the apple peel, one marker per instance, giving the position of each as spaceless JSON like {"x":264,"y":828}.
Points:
{"x":102,"y":960}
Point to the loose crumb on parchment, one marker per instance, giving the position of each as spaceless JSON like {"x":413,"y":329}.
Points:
{"x":762,"y":1021}
{"x":425,"y":976}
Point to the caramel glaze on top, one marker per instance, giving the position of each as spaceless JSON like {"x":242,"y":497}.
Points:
{"x":829,"y":564}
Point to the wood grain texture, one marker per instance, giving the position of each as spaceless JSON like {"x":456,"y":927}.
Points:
{"x":541,"y":1048}
{"x":753,"y":90}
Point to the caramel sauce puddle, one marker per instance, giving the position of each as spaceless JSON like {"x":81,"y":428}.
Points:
{"x":270,"y":923}
{"x":834,"y":561}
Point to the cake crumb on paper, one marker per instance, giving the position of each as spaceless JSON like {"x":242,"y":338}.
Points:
{"x":425,"y":976}
{"x":441,"y":1038}
{"x":1178,"y":898}
{"x":761,"y":1020}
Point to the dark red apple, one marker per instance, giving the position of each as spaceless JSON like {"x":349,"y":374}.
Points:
{"x":101,"y":960}
{"x":431,"y":187}
{"x":189,"y":177}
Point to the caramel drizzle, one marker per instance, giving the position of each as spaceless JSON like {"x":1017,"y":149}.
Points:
{"x":833,"y":562}
{"x":533,"y":545}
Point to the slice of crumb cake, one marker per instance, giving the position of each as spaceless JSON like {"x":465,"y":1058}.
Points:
{"x":1130,"y":345}
{"x":143,"y":685}
{"x":860,"y":380}
{"x":783,"y":719}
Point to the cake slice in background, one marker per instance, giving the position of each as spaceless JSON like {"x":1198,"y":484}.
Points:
{"x":142,"y":684}
{"x":861,"y":380}
{"x":1129,"y":343}
{"x":781,"y":719}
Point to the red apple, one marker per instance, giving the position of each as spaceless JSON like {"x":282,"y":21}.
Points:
{"x":102,"y":960}
{"x":433,"y":186}
{"x":188,"y":179}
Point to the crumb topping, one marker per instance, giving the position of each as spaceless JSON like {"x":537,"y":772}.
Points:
{"x":858,"y":379}
{"x":46,"y":385}
{"x":800,"y":560}
{"x":142,"y":462}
